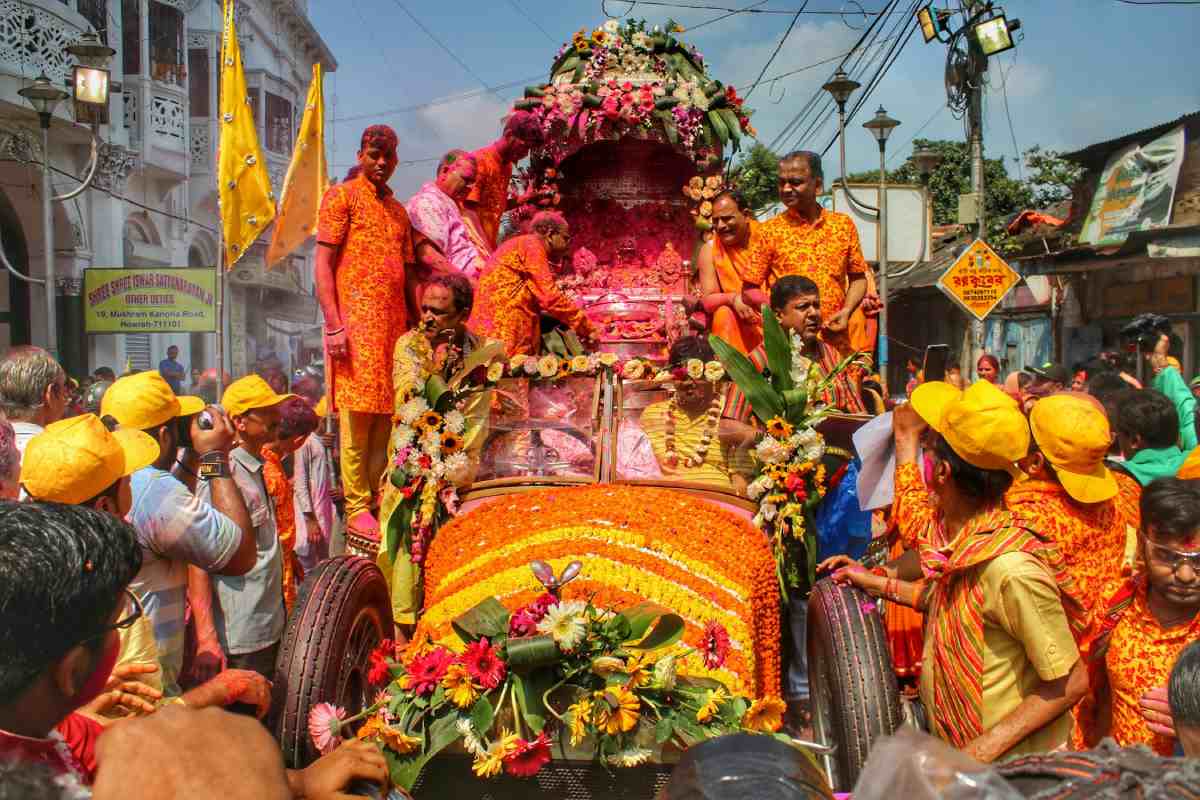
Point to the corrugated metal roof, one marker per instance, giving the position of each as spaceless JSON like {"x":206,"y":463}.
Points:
{"x":1095,"y":152}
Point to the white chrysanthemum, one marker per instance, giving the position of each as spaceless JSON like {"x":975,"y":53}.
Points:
{"x":809,"y":443}
{"x":630,"y":757}
{"x":768,"y":511}
{"x":410,"y":411}
{"x":431,"y":445}
{"x":759,"y":486}
{"x":771,"y":451}
{"x":665,"y":673}
{"x":714,"y":371}
{"x":641,"y":40}
{"x":457,"y":466}
{"x":455,"y":421}
{"x":438,"y":469}
{"x":403,"y":437}
{"x":565,"y":625}
{"x":471,"y":742}
{"x":612,"y":27}
{"x":573,"y":606}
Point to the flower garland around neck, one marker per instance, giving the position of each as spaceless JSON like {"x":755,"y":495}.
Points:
{"x":711,"y":418}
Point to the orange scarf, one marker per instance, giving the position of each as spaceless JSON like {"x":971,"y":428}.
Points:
{"x":280,"y":489}
{"x":955,"y":617}
{"x":732,"y":263}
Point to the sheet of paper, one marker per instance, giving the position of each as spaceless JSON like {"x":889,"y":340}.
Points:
{"x":877,"y":452}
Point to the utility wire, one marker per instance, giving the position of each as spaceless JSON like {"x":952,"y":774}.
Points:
{"x":778,"y":47}
{"x":532,"y":21}
{"x":1160,"y":2}
{"x":726,"y":15}
{"x":442,"y":45}
{"x":1011,"y":131}
{"x":937,"y":112}
{"x":439,"y":101}
{"x":703,"y":7}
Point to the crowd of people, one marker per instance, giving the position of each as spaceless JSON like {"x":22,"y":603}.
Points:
{"x":1044,"y":589}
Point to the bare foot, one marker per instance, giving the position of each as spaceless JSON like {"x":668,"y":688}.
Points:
{"x":365,"y":524}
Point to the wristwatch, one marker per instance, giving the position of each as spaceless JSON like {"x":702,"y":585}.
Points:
{"x":213,"y":465}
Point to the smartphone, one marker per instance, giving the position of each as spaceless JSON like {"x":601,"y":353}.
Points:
{"x":934,"y":366}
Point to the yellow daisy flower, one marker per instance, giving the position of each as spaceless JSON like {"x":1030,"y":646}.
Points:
{"x":617,"y":710}
{"x":712,"y":704}
{"x":779,"y":428}
{"x":459,"y":688}
{"x":765,"y":715}
{"x":580,"y":713}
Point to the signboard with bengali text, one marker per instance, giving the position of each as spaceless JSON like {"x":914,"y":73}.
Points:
{"x":978,"y":280}
{"x":149,"y":300}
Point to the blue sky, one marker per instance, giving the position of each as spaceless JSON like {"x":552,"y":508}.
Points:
{"x":1085,"y":71}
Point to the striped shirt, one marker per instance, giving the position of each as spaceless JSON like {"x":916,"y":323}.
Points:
{"x":174,"y":529}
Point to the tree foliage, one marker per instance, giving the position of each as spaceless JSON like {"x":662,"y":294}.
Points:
{"x":757,"y":176}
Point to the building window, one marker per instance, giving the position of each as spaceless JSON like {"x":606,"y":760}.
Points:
{"x":252,"y":94}
{"x":131,"y":36}
{"x":278,"y":124}
{"x":166,"y":44}
{"x":198,"y":81}
{"x":96,"y":13}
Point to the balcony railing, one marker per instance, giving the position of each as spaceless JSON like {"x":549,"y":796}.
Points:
{"x":34,"y":35}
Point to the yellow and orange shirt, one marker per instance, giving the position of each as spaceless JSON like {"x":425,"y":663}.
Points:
{"x":489,"y":194}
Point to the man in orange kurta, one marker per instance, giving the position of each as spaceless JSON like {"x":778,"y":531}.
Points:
{"x":732,"y":304}
{"x":488,"y":198}
{"x":808,"y":240}
{"x":517,"y":287}
{"x":368,"y":254}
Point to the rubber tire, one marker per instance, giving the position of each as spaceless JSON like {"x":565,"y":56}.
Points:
{"x":855,"y":697}
{"x":318,"y":660}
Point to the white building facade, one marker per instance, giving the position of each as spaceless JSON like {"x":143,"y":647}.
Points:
{"x":153,"y":203}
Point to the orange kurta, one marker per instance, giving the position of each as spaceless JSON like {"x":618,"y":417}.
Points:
{"x":1129,"y":499}
{"x":280,"y":489}
{"x":914,"y":510}
{"x":375,"y":242}
{"x":1140,"y":656}
{"x":1091,"y":537}
{"x":731,"y":264}
{"x":489,"y":195}
{"x":826,"y":251}
{"x":516,"y":287}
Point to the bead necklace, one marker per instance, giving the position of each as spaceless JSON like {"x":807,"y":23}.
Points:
{"x":712,"y":417}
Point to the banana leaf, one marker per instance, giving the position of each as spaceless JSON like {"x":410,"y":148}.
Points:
{"x":399,"y":529}
{"x":530,"y":652}
{"x":484,"y":355}
{"x":795,"y":402}
{"x":759,"y":392}
{"x":641,"y":617}
{"x":488,"y":619}
{"x":404,"y":770}
{"x":779,"y":350}
{"x":482,"y":714}
{"x":529,"y":689}
{"x":574,"y":346}
{"x":652,"y":626}
{"x":436,"y":391}
{"x":553,"y":342}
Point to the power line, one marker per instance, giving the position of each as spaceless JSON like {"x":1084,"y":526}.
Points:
{"x":1160,"y":2}
{"x":700,"y":7}
{"x":937,"y":112}
{"x":531,"y":20}
{"x":442,"y":45}
{"x":778,"y":47}
{"x":450,"y":98}
{"x":726,"y":15}
{"x":1011,"y":131}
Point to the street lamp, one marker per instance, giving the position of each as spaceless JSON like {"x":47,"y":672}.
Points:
{"x":91,"y":76}
{"x":881,"y":127}
{"x":840,"y":87}
{"x":926,"y":160}
{"x":45,"y":97}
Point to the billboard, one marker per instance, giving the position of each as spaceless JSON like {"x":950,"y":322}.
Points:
{"x":1136,"y":190}
{"x":908,"y":238}
{"x":154,"y":300}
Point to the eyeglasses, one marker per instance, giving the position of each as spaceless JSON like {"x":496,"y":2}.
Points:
{"x":1175,"y":559}
{"x":135,"y":613}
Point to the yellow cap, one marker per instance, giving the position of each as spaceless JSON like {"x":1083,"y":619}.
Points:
{"x":1074,"y":436}
{"x":986,"y":428}
{"x":145,"y":400}
{"x":248,"y":393}
{"x":322,"y":408}
{"x":930,"y":400}
{"x":75,"y":459}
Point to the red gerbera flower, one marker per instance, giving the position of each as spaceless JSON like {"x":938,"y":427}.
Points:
{"x":380,"y":673}
{"x":528,"y":758}
{"x":522,"y":623}
{"x":483,"y":663}
{"x":715,"y":645}
{"x":427,"y":671}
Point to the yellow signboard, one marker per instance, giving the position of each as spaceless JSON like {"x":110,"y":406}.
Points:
{"x":979,"y":279}
{"x":164,"y":300}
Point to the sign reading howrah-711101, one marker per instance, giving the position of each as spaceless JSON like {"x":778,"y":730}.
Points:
{"x":978,"y":279}
{"x":153,"y":300}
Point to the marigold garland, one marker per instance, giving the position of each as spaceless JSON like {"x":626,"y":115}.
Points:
{"x":643,"y":543}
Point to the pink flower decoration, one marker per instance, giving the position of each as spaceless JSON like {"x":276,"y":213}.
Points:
{"x":426,"y":672}
{"x":715,"y":644}
{"x":867,"y":606}
{"x":521,"y":623}
{"x":324,"y":726}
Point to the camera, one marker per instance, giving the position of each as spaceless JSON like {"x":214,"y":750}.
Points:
{"x":1146,"y":328}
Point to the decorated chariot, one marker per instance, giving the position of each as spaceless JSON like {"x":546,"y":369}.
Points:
{"x":594,"y":603}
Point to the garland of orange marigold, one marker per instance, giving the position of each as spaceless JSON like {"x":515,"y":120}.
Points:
{"x":638,"y":543}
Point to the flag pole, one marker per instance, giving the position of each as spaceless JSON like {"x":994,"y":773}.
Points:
{"x":221,"y":319}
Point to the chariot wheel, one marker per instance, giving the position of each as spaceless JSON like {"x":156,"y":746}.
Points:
{"x":855,"y":697}
{"x":342,"y":613}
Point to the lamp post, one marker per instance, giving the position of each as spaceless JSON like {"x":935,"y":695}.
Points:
{"x":45,"y":97}
{"x":841,"y":86}
{"x":90,"y":81}
{"x":881,"y":127}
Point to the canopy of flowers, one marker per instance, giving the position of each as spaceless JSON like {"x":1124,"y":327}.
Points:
{"x":624,"y":79}
{"x":554,"y":677}
{"x":790,"y":400}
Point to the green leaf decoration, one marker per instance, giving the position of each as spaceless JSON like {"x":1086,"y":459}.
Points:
{"x":553,"y":343}
{"x":795,"y":402}
{"x":484,"y":355}
{"x":529,"y":689}
{"x":667,"y":630}
{"x":761,"y":396}
{"x":439,"y":697}
{"x":399,"y":528}
{"x":405,"y":770}
{"x":573,"y":345}
{"x":530,"y":652}
{"x":665,"y":728}
{"x":488,"y":619}
{"x":641,"y":617}
{"x":779,"y":350}
{"x":482,"y":714}
{"x":437,"y":391}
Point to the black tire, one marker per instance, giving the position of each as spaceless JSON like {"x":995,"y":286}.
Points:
{"x":342,"y":613}
{"x":855,"y":697}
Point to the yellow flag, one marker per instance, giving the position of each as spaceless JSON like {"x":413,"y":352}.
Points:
{"x":243,"y":184}
{"x":306,"y":181}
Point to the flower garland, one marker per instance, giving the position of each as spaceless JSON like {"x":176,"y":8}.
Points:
{"x":640,"y":543}
{"x":519,"y":678}
{"x":711,"y":418}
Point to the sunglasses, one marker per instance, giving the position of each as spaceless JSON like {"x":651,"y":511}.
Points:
{"x":135,"y":613}
{"x":1170,"y":557}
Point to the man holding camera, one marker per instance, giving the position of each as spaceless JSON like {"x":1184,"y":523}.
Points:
{"x":1151,"y":335}
{"x":182,"y":537}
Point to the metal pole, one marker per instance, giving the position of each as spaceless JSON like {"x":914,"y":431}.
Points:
{"x":221,"y":321}
{"x":48,"y":244}
{"x":883,"y":269}
{"x":975,"y":121}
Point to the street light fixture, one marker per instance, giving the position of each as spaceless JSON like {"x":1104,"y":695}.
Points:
{"x":91,"y":76}
{"x":881,"y":127}
{"x":926,"y":160}
{"x":841,"y":86}
{"x":994,"y":35}
{"x":927,"y":23}
{"x":44,"y":97}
